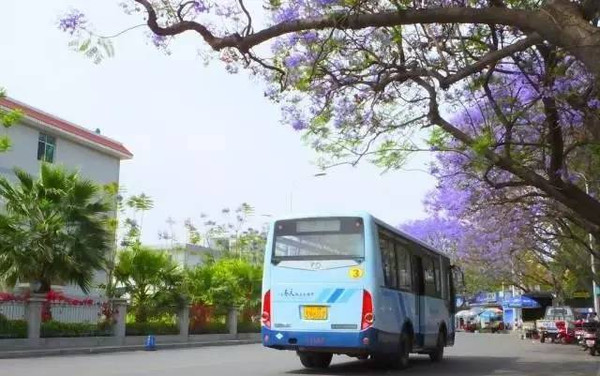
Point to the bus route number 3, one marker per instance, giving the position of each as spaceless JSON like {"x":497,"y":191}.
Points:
{"x":356,"y":273}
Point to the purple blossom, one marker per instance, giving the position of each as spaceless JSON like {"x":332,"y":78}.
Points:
{"x":594,"y":103}
{"x":159,"y":41}
{"x":293,"y":61}
{"x":72,"y":22}
{"x":289,"y":13}
{"x":200,"y":7}
{"x":299,"y":124}
{"x":310,"y":37}
{"x":327,"y":2}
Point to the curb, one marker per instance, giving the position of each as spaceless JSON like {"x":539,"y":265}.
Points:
{"x":113,"y":349}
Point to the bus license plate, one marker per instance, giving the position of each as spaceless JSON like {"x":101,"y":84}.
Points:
{"x":314,"y":313}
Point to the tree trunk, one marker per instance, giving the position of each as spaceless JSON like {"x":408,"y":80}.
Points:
{"x":565,"y":25}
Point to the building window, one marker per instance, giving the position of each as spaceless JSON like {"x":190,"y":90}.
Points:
{"x":46,"y":148}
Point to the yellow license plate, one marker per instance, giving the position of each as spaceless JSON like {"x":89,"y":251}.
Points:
{"x":314,"y":313}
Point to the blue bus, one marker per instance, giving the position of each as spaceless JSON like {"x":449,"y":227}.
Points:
{"x":353,"y":285}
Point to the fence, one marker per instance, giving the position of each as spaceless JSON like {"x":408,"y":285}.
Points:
{"x":12,"y":319}
{"x":65,"y":319}
{"x":41,"y":321}
{"x":208,"y":320}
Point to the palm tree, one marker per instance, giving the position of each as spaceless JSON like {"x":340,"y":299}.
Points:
{"x":53,"y":229}
{"x":152,"y":280}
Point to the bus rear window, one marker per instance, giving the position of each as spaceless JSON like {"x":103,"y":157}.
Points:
{"x":322,"y":239}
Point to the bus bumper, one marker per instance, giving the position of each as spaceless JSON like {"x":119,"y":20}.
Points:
{"x":340,"y":342}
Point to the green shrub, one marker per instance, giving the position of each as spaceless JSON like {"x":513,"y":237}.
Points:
{"x":51,"y":329}
{"x":248,"y":327}
{"x":150,"y":328}
{"x":12,"y":328}
{"x":212,"y":327}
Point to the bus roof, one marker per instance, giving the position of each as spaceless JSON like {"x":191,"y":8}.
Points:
{"x":362,"y":214}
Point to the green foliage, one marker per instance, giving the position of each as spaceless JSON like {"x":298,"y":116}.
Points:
{"x":52,"y":329}
{"x":483,"y":143}
{"x":53,"y":228}
{"x":248,"y":327}
{"x":7,"y":119}
{"x":93,"y":47}
{"x":151,"y":279}
{"x":438,"y":138}
{"x":391,"y":155}
{"x":226,"y":283}
{"x":476,"y":281}
{"x":150,"y":328}
{"x":12,"y":328}
{"x":212,"y":327}
{"x":231,"y":236}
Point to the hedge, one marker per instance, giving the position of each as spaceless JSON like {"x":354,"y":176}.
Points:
{"x":150,"y":328}
{"x":12,"y":328}
{"x":51,"y":329}
{"x":248,"y":327}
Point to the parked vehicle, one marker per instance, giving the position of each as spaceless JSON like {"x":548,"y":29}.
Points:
{"x":592,"y":339}
{"x":566,"y":332}
{"x":558,"y":325}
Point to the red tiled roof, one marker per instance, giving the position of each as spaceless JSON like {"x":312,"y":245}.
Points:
{"x":67,"y":127}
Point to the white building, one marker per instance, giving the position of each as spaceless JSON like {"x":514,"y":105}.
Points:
{"x":188,"y":255}
{"x":40,"y":136}
{"x":44,"y":137}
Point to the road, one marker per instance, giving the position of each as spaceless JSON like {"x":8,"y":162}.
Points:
{"x":474,"y":355}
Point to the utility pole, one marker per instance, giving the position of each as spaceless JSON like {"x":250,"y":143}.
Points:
{"x":593,"y":259}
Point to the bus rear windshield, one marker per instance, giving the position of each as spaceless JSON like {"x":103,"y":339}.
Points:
{"x":319,"y":239}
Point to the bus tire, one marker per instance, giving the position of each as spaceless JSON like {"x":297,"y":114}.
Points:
{"x":315,"y":360}
{"x":438,"y":354}
{"x":404,"y":350}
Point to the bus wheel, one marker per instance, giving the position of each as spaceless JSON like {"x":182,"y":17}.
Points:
{"x":438,"y":354}
{"x":404,"y":352}
{"x":315,"y":360}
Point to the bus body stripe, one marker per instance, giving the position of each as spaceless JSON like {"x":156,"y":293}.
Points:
{"x":323,"y":296}
{"x":347,"y":295}
{"x":336,"y":294}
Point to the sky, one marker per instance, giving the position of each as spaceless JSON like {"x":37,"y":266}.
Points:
{"x":202,"y":139}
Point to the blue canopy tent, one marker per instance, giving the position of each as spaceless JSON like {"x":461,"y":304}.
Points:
{"x":513,"y":307}
{"x":522,"y":301}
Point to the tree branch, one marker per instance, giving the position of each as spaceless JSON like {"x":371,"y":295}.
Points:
{"x":522,"y":19}
{"x":489,"y":59}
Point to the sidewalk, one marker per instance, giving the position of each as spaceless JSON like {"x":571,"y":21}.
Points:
{"x":35,"y":353}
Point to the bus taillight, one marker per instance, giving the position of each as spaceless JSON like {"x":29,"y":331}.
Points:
{"x":266,"y":313}
{"x":367,"y":311}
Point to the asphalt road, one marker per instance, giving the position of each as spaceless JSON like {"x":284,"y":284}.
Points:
{"x":473,"y":355}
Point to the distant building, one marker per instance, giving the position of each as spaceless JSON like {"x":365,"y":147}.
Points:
{"x":40,"y":136}
{"x":189,"y":255}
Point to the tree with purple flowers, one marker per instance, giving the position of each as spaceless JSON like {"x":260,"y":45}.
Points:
{"x":508,"y":86}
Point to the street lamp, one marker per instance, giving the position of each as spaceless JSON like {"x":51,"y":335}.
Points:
{"x":591,"y":245}
{"x":317,"y":175}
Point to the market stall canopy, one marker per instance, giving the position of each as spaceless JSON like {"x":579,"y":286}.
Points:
{"x":522,"y":301}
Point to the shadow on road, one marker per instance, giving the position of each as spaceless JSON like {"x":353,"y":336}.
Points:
{"x":464,"y":366}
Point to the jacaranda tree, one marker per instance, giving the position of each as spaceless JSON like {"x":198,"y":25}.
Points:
{"x":509,"y":84}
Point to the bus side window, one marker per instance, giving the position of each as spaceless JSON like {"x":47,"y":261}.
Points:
{"x":429,"y":274}
{"x":446,"y":280}
{"x":404,"y":270}
{"x":438,"y":277}
{"x":388,"y":256}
